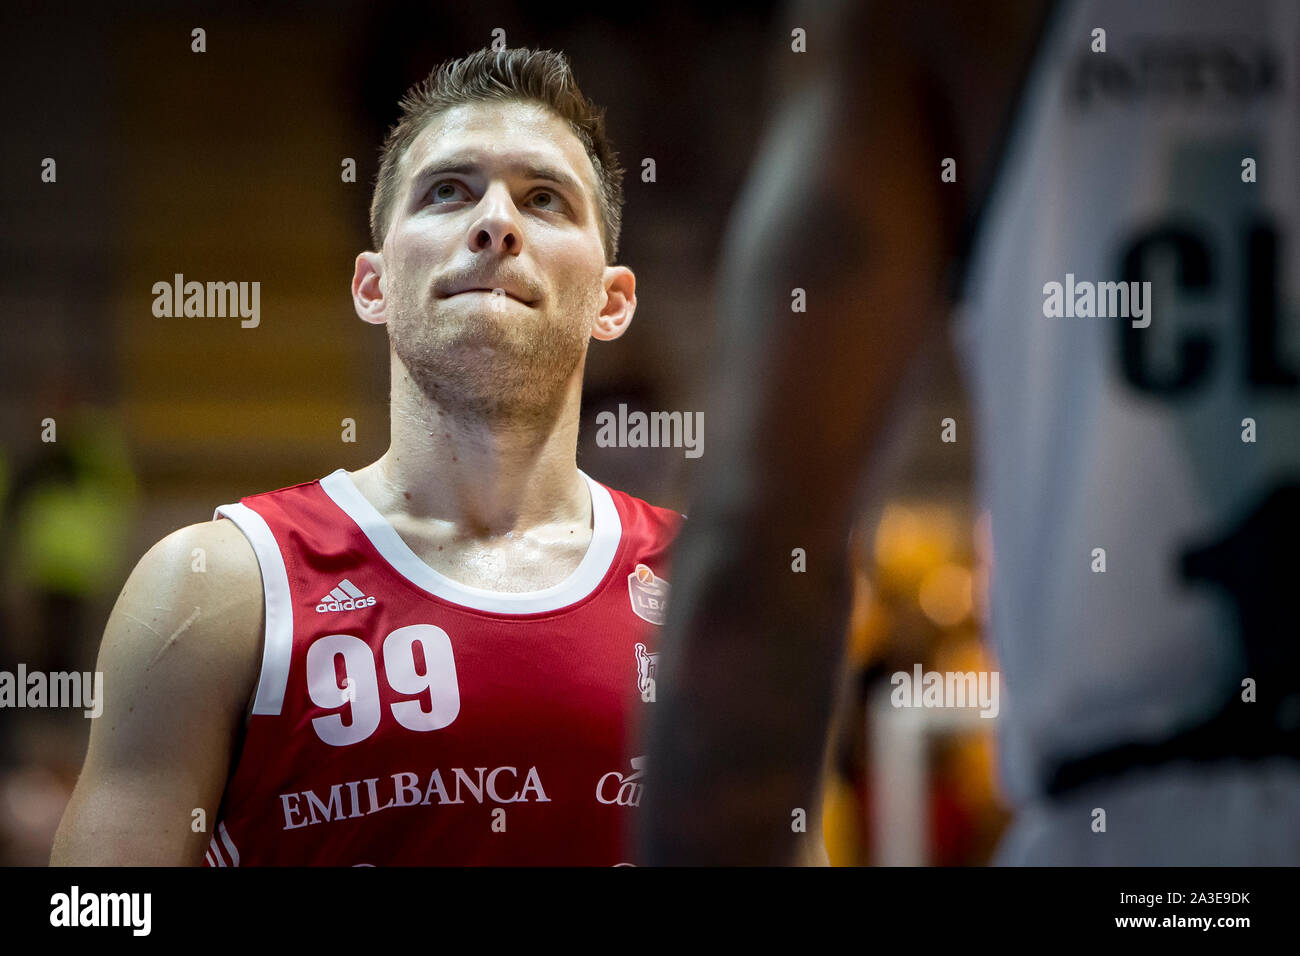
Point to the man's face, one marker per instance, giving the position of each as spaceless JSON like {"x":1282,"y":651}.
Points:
{"x":495,"y":196}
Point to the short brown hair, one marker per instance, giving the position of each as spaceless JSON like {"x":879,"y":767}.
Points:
{"x":540,"y":76}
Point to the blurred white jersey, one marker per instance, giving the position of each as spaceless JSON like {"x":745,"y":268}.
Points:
{"x":1158,"y":438}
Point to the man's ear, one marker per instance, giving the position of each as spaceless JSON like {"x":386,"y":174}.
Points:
{"x":368,"y":288}
{"x":620,"y":303}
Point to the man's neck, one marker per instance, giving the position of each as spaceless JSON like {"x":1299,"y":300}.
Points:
{"x":485,"y":477}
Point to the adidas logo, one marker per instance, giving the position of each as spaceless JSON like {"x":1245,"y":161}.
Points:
{"x":346,"y":597}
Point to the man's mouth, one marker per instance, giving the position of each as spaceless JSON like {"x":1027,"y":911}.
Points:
{"x":498,"y":292}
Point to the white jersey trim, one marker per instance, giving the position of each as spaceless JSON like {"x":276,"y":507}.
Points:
{"x":277,"y":648}
{"x":214,"y":855}
{"x":606,"y":532}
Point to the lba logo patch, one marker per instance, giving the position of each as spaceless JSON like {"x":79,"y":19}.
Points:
{"x":649,"y":594}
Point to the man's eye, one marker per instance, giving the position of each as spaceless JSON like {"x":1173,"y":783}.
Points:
{"x":553,"y":200}
{"x":444,"y":191}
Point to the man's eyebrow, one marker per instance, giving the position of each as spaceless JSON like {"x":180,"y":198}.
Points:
{"x":526,"y":170}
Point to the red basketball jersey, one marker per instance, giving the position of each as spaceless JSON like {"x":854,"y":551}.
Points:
{"x":402,"y":718}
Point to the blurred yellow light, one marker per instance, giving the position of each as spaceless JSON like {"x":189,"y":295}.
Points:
{"x":910,"y":540}
{"x":841,"y":828}
{"x":945,"y":594}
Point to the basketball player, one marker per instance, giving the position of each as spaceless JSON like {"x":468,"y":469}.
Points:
{"x":440,"y":658}
{"x":1164,"y":690}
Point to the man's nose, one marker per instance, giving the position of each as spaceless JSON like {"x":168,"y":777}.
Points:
{"x":497,"y":229}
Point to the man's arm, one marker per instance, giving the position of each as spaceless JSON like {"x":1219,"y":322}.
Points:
{"x":811,"y":846}
{"x":844,"y":202}
{"x":180,"y":656}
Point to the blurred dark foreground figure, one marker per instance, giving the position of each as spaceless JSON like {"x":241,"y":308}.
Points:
{"x":1116,"y":264}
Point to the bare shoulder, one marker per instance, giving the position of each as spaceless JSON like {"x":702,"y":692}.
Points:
{"x":208,"y":571}
{"x":202,"y":558}
{"x":191,"y":614}
{"x":179,"y":660}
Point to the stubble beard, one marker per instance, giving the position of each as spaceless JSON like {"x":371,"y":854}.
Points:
{"x":506,"y":367}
